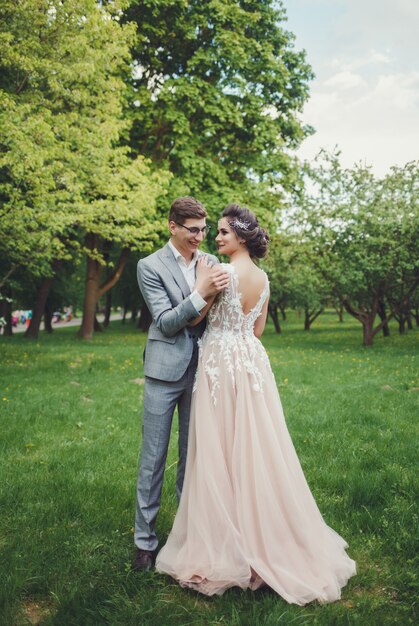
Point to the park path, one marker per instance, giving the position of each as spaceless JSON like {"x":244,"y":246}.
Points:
{"x":20,"y":328}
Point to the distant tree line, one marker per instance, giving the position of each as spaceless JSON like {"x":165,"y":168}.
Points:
{"x":351,"y":244}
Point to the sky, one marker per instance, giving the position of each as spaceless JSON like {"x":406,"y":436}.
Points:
{"x":365,"y":96}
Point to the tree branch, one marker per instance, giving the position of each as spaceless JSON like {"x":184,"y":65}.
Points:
{"x":316,"y":315}
{"x":112,"y":280}
{"x":7,"y":276}
{"x":382,"y":323}
{"x":352,"y":311}
{"x":22,"y":83}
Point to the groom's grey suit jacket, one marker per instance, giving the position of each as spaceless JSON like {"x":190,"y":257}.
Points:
{"x":167,"y":295}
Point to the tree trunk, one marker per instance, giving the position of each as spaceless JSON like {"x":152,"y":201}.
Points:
{"x":124,"y":314}
{"x":6,"y":312}
{"x":409,"y":321}
{"x":339,"y":312}
{"x":32,"y":331}
{"x":97,"y":326}
{"x":367,"y":326}
{"x":416,"y":316}
{"x":367,"y":320}
{"x":402,"y":324}
{"x":8,"y":329}
{"x":108,"y":308}
{"x":2,"y":312}
{"x":307,"y":322}
{"x":273,"y":312}
{"x":310,"y":317}
{"x":48,"y":319}
{"x":91,"y":291}
{"x":283,"y":314}
{"x":145,"y":318}
{"x":108,"y":299}
{"x":382,"y":315}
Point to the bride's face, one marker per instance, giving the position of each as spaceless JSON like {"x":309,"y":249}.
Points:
{"x":227,"y":240}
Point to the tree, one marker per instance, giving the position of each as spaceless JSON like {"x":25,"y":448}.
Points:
{"x":277,"y":265}
{"x":66,"y":183}
{"x":215,"y":97}
{"x":364,"y":232}
{"x":294,"y":280}
{"x":308,"y":290}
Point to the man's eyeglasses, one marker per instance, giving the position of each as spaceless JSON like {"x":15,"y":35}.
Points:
{"x":194,"y":230}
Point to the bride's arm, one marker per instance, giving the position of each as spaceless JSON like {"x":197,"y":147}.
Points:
{"x":260,"y":323}
{"x":204,"y":311}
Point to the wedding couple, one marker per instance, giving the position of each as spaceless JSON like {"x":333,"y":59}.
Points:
{"x":246,"y":517}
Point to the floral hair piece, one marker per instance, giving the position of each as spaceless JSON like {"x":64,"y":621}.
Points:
{"x":236,"y":223}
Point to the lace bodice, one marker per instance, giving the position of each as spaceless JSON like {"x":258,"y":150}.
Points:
{"x":228,"y":347}
{"x":226,"y":315}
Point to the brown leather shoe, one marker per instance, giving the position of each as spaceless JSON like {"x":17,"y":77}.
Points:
{"x":144,"y":560}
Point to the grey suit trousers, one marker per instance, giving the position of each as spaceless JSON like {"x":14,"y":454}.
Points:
{"x":160,"y":401}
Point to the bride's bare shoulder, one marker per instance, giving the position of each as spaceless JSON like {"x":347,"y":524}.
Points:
{"x":248,"y":269}
{"x":251,"y":275}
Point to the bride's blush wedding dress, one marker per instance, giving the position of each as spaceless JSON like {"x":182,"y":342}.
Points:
{"x":246,"y":516}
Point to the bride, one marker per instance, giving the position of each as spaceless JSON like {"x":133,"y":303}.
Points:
{"x":247,"y":517}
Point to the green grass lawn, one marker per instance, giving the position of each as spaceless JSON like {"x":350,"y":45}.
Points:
{"x":70,"y":437}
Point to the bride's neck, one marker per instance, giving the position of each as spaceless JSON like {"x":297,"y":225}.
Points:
{"x":240,"y":255}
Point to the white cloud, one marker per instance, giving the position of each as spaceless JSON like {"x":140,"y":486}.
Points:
{"x":379,"y":57}
{"x":365,"y":98}
{"x":399,"y":90}
{"x":377,"y":127}
{"x":369,"y":59}
{"x":345,"y":80}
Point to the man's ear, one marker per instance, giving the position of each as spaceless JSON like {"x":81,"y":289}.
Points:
{"x":172,"y":227}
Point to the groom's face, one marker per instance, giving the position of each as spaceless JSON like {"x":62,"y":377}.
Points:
{"x":186,"y":242}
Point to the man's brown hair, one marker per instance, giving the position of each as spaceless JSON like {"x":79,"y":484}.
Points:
{"x":185,"y":208}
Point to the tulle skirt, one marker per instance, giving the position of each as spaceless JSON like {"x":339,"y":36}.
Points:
{"x":247,"y":517}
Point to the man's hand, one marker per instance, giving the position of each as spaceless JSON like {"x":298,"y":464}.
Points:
{"x":210,"y":280}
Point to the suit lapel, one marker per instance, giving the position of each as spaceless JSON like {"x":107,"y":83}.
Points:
{"x":168,"y":258}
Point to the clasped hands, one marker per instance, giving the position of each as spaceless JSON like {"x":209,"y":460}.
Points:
{"x":210,"y":279}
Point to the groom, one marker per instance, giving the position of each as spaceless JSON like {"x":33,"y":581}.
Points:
{"x":174,"y":298}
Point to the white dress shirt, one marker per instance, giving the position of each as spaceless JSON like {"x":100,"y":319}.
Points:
{"x":189,"y":273}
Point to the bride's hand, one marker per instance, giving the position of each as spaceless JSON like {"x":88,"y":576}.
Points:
{"x":203,"y":266}
{"x":210,"y":279}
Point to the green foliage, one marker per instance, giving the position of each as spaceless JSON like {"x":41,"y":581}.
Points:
{"x":67,"y":288}
{"x":294,"y":280}
{"x":215,"y":95}
{"x":278,"y":267}
{"x":366,"y":230}
{"x":363,"y":234}
{"x":62,"y":172}
{"x":90,"y":135}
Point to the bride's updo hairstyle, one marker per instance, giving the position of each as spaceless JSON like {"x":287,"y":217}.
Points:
{"x":246,"y":227}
